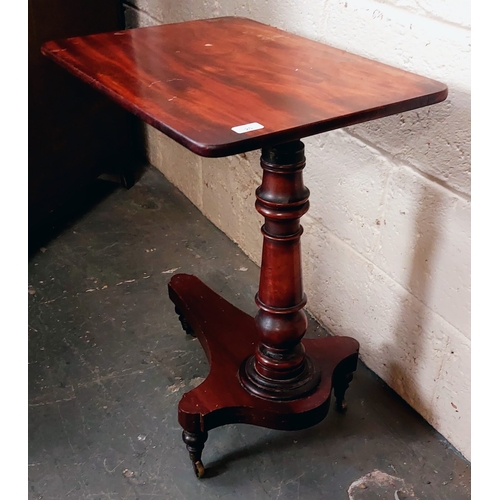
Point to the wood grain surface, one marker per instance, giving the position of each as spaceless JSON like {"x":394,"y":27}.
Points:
{"x":196,"y":81}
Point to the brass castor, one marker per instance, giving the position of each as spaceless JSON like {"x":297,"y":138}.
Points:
{"x":195,"y":442}
{"x":341,"y":406}
{"x":340,"y":387}
{"x":199,"y":469}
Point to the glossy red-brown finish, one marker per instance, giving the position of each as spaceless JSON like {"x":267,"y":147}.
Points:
{"x":195,"y":81}
{"x":279,"y":368}
{"x":229,"y":336}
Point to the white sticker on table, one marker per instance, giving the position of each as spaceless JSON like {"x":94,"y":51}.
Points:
{"x":249,"y":127}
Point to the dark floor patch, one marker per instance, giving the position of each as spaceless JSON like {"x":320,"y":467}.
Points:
{"x":109,"y":362}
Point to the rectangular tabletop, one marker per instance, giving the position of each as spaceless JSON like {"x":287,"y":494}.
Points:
{"x":229,"y":85}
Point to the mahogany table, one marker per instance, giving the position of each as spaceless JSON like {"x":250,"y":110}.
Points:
{"x":225,"y":86}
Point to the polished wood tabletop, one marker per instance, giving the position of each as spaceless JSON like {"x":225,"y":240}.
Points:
{"x":229,"y":85}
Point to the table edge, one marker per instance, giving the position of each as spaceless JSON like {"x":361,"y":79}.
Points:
{"x":50,"y":50}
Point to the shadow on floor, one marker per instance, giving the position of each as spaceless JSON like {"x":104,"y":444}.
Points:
{"x":81,"y":203}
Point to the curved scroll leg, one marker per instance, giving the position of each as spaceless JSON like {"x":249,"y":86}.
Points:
{"x":342,"y":377}
{"x":195,"y":442}
{"x":185,"y":325}
{"x":339,"y":390}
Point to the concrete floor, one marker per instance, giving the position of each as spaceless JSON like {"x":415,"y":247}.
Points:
{"x":109,"y":362}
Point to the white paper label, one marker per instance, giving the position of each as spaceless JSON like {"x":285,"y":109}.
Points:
{"x":249,"y":127}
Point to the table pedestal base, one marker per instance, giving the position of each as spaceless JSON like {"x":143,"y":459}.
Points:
{"x":228,"y":337}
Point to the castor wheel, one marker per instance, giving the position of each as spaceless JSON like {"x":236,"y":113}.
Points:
{"x":199,"y":469}
{"x":340,"y":387}
{"x":341,"y":406}
{"x":195,"y":442}
{"x":185,"y":325}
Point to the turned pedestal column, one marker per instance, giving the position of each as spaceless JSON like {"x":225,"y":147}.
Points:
{"x":280,"y":369}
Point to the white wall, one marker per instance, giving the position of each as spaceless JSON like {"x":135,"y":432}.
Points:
{"x":386,"y":246}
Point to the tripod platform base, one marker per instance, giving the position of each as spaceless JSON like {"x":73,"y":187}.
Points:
{"x":228,"y":337}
